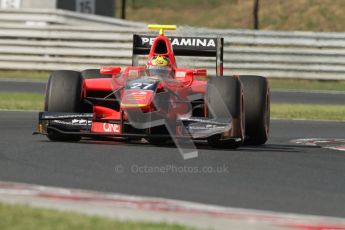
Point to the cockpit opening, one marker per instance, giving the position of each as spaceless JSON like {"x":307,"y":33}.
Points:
{"x":161,"y":47}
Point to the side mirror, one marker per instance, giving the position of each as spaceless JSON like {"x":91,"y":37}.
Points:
{"x":113,"y":70}
{"x":184,"y":76}
{"x":200,"y":73}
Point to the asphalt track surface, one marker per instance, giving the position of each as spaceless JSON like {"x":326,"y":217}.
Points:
{"x":308,"y":97}
{"x":279,"y":176}
{"x":22,"y":86}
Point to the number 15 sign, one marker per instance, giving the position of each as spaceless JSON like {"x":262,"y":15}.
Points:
{"x":85,"y":6}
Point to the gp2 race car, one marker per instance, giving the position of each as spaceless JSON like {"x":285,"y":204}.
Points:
{"x":159,"y":101}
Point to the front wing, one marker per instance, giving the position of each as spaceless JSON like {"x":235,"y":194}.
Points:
{"x":84,"y":124}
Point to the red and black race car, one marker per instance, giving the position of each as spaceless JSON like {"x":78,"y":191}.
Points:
{"x":158,"y":101}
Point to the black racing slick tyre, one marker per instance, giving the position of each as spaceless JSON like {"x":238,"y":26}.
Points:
{"x":63,"y":94}
{"x":94,"y":74}
{"x":257,"y":109}
{"x":226,"y":92}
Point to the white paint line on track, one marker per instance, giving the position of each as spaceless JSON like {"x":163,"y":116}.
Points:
{"x":338,"y":148}
{"x":160,"y":210}
{"x":326,"y":143}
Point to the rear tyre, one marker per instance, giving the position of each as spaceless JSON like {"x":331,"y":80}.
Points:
{"x":94,"y":74}
{"x":257,"y":109}
{"x":229,"y":90}
{"x":63,"y":94}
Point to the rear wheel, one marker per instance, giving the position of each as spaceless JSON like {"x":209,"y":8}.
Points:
{"x":257,"y":109}
{"x":64,"y":92}
{"x":94,"y":74}
{"x":226,"y":92}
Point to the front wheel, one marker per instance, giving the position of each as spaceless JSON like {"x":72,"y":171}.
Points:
{"x":63,"y":94}
{"x":224,"y":99}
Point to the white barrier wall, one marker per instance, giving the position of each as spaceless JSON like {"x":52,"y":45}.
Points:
{"x":50,"y":40}
{"x":37,"y":4}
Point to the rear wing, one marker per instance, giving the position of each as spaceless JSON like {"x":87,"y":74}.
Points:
{"x":183,"y":46}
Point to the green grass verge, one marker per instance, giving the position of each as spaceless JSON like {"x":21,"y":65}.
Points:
{"x":307,"y":84}
{"x":21,"y":101}
{"x":309,"y":112}
{"x":31,"y":101}
{"x":22,"y":217}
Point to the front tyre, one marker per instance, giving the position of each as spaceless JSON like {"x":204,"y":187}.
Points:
{"x":64,"y":94}
{"x":227,"y":89}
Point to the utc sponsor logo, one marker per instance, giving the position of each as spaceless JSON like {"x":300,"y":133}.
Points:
{"x":111,"y":128}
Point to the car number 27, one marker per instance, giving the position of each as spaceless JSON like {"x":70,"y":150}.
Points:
{"x":141,"y":85}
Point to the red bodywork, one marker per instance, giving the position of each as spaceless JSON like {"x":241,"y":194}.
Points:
{"x":186,"y":82}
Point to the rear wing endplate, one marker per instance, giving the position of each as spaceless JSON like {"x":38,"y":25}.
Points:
{"x":183,"y":46}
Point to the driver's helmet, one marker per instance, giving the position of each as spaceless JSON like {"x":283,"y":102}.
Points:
{"x":159,"y":66}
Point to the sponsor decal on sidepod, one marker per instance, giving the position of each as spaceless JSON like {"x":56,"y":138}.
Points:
{"x":100,"y":127}
{"x":109,"y":128}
